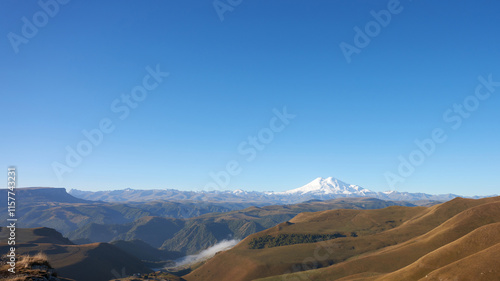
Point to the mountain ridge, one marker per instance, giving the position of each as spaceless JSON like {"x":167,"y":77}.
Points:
{"x":319,"y":189}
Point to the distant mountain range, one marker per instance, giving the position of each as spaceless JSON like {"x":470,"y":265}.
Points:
{"x":141,"y":234}
{"x":55,"y":208}
{"x":318,"y":189}
{"x":176,"y":227}
{"x":361,"y":239}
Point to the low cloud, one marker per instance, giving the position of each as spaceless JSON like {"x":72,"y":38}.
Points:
{"x":207,"y":253}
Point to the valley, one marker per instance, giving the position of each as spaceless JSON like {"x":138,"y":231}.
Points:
{"x":345,"y":238}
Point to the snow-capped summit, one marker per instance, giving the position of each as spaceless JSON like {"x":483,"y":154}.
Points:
{"x":239,"y":192}
{"x":322,"y":186}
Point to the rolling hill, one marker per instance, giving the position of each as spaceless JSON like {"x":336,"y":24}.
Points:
{"x":97,"y":261}
{"x":456,"y":238}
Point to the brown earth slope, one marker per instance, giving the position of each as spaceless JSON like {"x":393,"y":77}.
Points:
{"x":456,"y":238}
{"x":93,"y":262}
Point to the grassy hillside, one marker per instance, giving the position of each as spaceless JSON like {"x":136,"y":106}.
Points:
{"x":30,"y":268}
{"x":483,"y":238}
{"x":208,"y":229}
{"x":97,"y":261}
{"x":394,"y":243}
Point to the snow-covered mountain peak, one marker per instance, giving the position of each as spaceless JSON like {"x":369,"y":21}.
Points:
{"x":330,"y":185}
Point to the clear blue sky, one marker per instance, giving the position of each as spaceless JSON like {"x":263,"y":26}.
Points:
{"x":353,"y":120}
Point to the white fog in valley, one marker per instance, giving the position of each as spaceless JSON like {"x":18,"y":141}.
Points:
{"x":207,"y":253}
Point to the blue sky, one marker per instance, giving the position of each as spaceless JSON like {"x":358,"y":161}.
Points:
{"x":352,"y":121}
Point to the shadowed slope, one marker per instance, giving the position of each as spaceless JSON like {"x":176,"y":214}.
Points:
{"x":35,"y":235}
{"x":97,"y":262}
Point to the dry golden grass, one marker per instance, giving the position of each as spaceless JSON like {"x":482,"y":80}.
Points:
{"x":394,"y":257}
{"x":482,"y":266}
{"x":81,"y":262}
{"x":470,"y":244}
{"x":395,"y":243}
{"x":39,"y":259}
{"x":30,"y":267}
{"x":14,"y":278}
